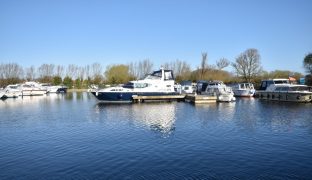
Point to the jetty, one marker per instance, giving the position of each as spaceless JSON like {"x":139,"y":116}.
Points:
{"x":138,"y":98}
{"x":193,"y":98}
{"x":200,"y":99}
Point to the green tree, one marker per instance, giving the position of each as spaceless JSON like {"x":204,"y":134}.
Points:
{"x":57,"y":80}
{"x":68,"y":82}
{"x":78,"y":83}
{"x":307,"y":63}
{"x":117,"y":74}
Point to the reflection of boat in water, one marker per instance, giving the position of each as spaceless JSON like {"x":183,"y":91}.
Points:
{"x":243,"y":89}
{"x":157,"y":117}
{"x":159,"y":83}
{"x":282,"y":90}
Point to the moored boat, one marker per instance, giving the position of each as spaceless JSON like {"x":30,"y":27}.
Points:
{"x":282,"y":90}
{"x":219,"y":89}
{"x":54,"y":89}
{"x":159,"y":83}
{"x":32,"y":89}
{"x":243,"y":90}
{"x":12,"y":91}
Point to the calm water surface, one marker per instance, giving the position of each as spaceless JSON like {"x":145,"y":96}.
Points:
{"x":73,"y":136}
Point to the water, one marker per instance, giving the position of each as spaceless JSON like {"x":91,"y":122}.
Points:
{"x":72,"y":136}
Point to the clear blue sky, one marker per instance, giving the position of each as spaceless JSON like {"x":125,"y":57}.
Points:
{"x":65,"y":32}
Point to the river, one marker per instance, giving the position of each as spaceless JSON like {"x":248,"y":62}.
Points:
{"x":72,"y":136}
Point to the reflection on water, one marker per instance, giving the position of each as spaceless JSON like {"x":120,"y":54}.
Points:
{"x":72,"y":136}
{"x":157,"y":117}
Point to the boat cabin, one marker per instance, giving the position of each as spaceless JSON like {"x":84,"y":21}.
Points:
{"x":266,"y":83}
{"x":162,"y":75}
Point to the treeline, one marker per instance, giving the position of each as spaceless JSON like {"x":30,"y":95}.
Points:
{"x":247,"y":67}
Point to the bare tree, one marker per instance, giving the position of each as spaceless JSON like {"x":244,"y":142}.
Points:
{"x":46,"y":70}
{"x":59,"y":70}
{"x":140,"y":69}
{"x":12,"y":70}
{"x":30,"y":73}
{"x":248,"y":64}
{"x":97,"y":70}
{"x":223,"y":63}
{"x":133,"y":70}
{"x":145,"y":67}
{"x":72,"y":71}
{"x":203,"y":64}
{"x":81,"y":73}
{"x":87,"y":72}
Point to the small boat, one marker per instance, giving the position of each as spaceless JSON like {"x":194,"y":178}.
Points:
{"x":32,"y":89}
{"x":219,"y":89}
{"x":282,"y":90}
{"x":187,"y":87}
{"x":159,"y":83}
{"x":54,"y":89}
{"x":12,"y":91}
{"x":243,"y":90}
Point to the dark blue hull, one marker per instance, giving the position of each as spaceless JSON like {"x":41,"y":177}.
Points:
{"x":125,"y":96}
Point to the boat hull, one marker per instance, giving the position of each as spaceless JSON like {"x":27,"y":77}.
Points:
{"x":243,"y":93}
{"x":285,"y":96}
{"x":33,"y":92}
{"x":225,"y":97}
{"x":126,"y":96}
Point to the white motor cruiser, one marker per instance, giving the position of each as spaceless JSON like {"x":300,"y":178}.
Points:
{"x":32,"y":89}
{"x":218,"y":88}
{"x":243,"y":90}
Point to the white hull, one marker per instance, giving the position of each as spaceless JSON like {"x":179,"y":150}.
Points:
{"x":225,"y":98}
{"x":33,"y":92}
{"x":244,"y":93}
{"x":12,"y":94}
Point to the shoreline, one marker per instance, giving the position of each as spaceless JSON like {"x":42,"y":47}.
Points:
{"x":77,"y":90}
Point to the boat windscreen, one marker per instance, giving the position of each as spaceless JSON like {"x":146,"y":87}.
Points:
{"x":281,"y":82}
{"x":129,"y":85}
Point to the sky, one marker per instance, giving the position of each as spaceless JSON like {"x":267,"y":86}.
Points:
{"x":62,"y":32}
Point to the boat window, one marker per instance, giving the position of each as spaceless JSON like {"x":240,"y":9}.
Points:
{"x":281,"y":82}
{"x":128,"y":85}
{"x":284,"y":88}
{"x":263,"y":85}
{"x":156,"y":74}
{"x":168,"y":75}
{"x":299,"y":88}
{"x":247,"y":86}
{"x":140,"y":85}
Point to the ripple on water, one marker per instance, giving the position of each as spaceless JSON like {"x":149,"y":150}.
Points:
{"x":74,"y":137}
